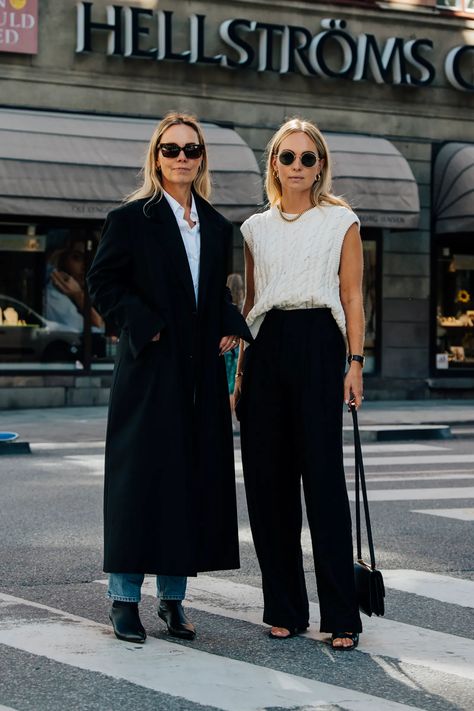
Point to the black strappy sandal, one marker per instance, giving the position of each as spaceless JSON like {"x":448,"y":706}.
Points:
{"x":293,"y":632}
{"x":354,"y":636}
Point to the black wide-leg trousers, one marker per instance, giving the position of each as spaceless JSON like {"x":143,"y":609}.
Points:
{"x":291,"y":430}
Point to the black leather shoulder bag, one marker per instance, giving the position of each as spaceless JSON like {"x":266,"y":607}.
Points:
{"x":370,"y":588}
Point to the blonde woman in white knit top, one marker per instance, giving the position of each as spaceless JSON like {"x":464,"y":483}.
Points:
{"x":304,"y":308}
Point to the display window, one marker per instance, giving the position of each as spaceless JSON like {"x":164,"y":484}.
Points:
{"x":455,"y":304}
{"x":371,"y":298}
{"x":46,"y":320}
{"x":460,"y":5}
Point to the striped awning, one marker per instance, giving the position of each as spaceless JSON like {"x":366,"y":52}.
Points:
{"x":82,"y":166}
{"x":453,"y":188}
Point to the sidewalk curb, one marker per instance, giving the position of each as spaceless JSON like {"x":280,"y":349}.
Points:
{"x":14,"y":448}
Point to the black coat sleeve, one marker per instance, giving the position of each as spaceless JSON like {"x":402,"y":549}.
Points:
{"x":111,"y":286}
{"x":233,"y":323}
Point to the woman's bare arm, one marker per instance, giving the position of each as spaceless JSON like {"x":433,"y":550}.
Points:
{"x":350,"y":277}
{"x":248,"y":302}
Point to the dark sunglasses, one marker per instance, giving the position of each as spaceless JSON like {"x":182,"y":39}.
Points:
{"x":190,"y":150}
{"x":308,"y":158}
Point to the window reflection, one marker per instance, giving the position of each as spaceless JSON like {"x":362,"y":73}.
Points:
{"x":65,"y":299}
{"x":46,"y":321}
{"x":453,"y":4}
{"x":455,"y":306}
{"x":369,"y":288}
{"x":26,"y":336}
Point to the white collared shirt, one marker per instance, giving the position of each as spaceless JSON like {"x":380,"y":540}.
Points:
{"x":191,"y":236}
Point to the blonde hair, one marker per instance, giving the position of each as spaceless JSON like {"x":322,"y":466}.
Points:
{"x":151,"y":187}
{"x":321,"y":191}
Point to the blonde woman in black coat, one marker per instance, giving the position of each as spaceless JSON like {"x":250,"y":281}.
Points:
{"x":160,"y":276}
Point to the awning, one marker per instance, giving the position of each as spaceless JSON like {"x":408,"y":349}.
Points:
{"x":453,"y":188}
{"x":375,"y":179}
{"x":73,"y":165}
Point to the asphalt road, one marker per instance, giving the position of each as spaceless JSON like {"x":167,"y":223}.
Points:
{"x":57,"y":651}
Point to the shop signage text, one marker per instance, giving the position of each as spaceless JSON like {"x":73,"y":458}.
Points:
{"x":332,"y":52}
{"x":19,"y":26}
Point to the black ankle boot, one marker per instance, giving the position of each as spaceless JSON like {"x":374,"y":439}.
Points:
{"x":171,"y":612}
{"x":126,"y":622}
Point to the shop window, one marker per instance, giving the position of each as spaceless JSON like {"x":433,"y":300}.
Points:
{"x":370,"y":299}
{"x":451,"y":4}
{"x":455,"y":304}
{"x":459,"y":5}
{"x":46,"y":321}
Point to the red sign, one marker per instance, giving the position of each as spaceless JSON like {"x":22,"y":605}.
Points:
{"x":19,"y":26}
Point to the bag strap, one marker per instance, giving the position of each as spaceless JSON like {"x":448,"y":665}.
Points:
{"x":360,"y":482}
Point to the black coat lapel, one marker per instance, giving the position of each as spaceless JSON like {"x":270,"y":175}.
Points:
{"x":210,"y":231}
{"x":171,"y":240}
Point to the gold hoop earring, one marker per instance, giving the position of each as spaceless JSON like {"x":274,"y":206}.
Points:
{"x":317,"y":178}
{"x":276,"y":176}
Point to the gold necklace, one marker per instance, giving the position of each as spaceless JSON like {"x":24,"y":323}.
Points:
{"x":292,"y":219}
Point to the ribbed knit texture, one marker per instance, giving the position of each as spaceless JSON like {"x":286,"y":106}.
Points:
{"x":297,"y":263}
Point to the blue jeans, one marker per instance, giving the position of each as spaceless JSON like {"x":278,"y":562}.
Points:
{"x":126,"y":587}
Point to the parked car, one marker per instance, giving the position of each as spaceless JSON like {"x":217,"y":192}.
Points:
{"x":25,"y":336}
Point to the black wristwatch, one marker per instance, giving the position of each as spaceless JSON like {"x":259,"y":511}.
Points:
{"x":358,"y":358}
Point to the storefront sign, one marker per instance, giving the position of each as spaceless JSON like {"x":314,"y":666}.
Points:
{"x":19,"y":26}
{"x":331,"y":53}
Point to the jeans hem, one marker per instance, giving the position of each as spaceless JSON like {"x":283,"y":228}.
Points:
{"x":121,"y":598}
{"x":170,"y":597}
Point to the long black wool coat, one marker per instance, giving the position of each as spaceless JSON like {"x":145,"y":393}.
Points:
{"x":169,"y":505}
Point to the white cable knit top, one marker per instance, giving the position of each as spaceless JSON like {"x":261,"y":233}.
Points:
{"x":296,"y":264}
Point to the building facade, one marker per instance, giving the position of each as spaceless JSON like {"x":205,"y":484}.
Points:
{"x":390,"y":84}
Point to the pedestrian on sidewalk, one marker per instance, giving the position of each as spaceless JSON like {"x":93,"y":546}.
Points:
{"x":303,"y":305}
{"x":159,"y":275}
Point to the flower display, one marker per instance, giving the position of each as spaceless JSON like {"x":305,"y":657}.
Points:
{"x":463,"y":296}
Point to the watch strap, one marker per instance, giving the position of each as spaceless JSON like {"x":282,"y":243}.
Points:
{"x":358,"y":358}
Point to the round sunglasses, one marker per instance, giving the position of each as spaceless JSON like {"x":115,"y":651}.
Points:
{"x":308,"y":158}
{"x":190,"y":150}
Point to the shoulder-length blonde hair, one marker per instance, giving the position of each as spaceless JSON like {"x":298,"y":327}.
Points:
{"x":321,"y":192}
{"x":151,"y":187}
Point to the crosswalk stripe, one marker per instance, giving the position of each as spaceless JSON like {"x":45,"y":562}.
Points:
{"x":87,"y":444}
{"x":382,"y":448}
{"x":455,"y":492}
{"x":418,"y":459}
{"x":95,"y":462}
{"x":405,"y":643}
{"x":369,"y":447}
{"x":176,"y":670}
{"x":444,"y":588}
{"x":422,"y":476}
{"x":466,"y":514}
